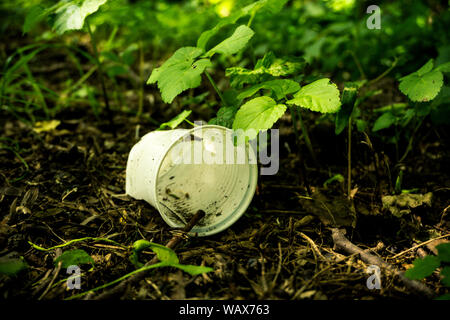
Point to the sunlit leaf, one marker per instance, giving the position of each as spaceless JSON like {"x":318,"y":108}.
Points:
{"x":175,"y":122}
{"x":321,"y":96}
{"x":179,"y":73}
{"x":234,"y":43}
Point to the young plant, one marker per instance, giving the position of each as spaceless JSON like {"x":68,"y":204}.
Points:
{"x":183,"y":70}
{"x":424,"y":267}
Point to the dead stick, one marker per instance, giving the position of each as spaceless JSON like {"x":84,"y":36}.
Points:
{"x":342,"y":242}
{"x":141,"y":275}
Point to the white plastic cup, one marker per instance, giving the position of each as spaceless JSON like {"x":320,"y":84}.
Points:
{"x":185,"y":170}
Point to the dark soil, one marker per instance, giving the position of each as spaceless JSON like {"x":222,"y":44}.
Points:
{"x":72,"y":186}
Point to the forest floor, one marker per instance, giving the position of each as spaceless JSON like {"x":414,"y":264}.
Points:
{"x":69,"y":183}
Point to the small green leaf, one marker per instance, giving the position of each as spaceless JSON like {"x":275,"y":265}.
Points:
{"x":386,"y":120}
{"x":234,"y":43}
{"x":225,"y":117}
{"x":175,"y":122}
{"x":423,"y":268}
{"x":163,"y":253}
{"x":321,"y":96}
{"x":179,"y":72}
{"x":424,"y":84}
{"x":74,"y":257}
{"x":348,"y":102}
{"x":445,"y":272}
{"x":11,"y":267}
{"x":444,"y":252}
{"x":71,"y":15}
{"x":192,"y":270}
{"x":258,"y":114}
{"x":265,"y":69}
{"x":280,"y":87}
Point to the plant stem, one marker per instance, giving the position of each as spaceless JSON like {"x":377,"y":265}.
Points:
{"x":102,"y":80}
{"x":358,"y":65}
{"x":385,"y":73}
{"x":349,"y":158}
{"x":306,"y":135}
{"x":141,"y":80}
{"x":215,"y":87}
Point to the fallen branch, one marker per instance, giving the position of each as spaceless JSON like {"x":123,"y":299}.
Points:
{"x":343,"y":243}
{"x":122,"y":286}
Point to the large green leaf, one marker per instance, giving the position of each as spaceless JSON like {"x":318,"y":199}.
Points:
{"x":11,"y":267}
{"x":234,"y":43}
{"x":74,"y":257}
{"x":258,"y":114}
{"x":321,"y":96}
{"x":280,"y":87}
{"x":179,"y":73}
{"x":424,"y":84}
{"x":265,"y":69}
{"x":72,"y":14}
{"x":422,"y":268}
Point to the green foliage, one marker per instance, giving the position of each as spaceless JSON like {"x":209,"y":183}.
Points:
{"x":176,"y":121}
{"x":321,"y":96}
{"x":11,"y":267}
{"x":74,"y":257}
{"x":424,"y":84}
{"x":166,"y":256}
{"x":179,"y":73}
{"x":349,"y":95}
{"x":235,"y":43}
{"x":386,"y":120}
{"x":258,"y":114}
{"x":423,"y":268}
{"x":67,"y":14}
{"x":280,"y":88}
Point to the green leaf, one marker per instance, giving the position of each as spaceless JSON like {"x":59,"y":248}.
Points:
{"x":445,"y":272}
{"x":424,"y":84}
{"x":192,"y":270}
{"x":74,"y":257}
{"x":71,"y":15}
{"x":423,"y":268}
{"x":258,"y":114}
{"x":386,"y":120}
{"x":445,"y":67}
{"x":163,"y":253}
{"x":11,"y":267}
{"x":273,"y":6}
{"x":444,"y":252}
{"x":225,"y":117}
{"x":280,"y":87}
{"x":33,"y":17}
{"x":234,"y":43}
{"x":321,"y":96}
{"x":444,"y":297}
{"x":175,"y":122}
{"x":179,"y":72}
{"x":265,"y":69}
{"x":348,"y":102}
